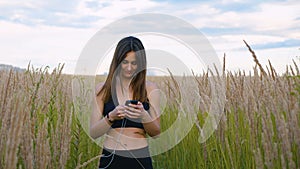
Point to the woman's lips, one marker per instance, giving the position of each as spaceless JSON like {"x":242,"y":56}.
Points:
{"x":129,"y":73}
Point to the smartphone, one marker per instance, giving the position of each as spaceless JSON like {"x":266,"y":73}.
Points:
{"x":131,"y":101}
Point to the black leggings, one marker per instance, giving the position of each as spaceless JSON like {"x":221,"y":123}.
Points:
{"x":135,"y":159}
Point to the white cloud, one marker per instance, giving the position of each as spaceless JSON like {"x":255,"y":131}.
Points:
{"x":42,"y":45}
{"x":17,"y":3}
{"x":230,"y":1}
{"x":109,"y":11}
{"x":277,"y":16}
{"x":267,"y":18}
{"x":270,"y":22}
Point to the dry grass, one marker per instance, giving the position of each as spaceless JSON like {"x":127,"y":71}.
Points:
{"x":35,"y":119}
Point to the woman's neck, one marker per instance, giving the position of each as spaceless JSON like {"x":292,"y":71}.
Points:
{"x":125,"y":83}
{"x":123,"y":89}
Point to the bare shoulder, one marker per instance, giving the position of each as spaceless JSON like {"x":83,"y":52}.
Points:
{"x":99,"y":87}
{"x":153,"y":93}
{"x":150,"y":86}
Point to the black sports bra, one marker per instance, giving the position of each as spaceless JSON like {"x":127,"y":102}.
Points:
{"x":109,"y":106}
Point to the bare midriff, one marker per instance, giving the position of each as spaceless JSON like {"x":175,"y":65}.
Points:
{"x":128,"y":138}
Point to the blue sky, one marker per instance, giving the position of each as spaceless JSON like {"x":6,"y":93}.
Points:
{"x":52,"y":32}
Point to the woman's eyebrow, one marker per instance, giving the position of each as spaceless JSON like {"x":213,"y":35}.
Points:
{"x":128,"y":60}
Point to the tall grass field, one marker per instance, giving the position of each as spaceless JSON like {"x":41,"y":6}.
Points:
{"x":259,"y":128}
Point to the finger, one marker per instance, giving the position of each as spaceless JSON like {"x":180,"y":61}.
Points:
{"x":133,"y":105}
{"x":128,"y":108}
{"x":121,"y":116}
{"x":120,"y":109}
{"x":136,"y":106}
{"x":120,"y":112}
{"x":134,"y":110}
{"x":132,"y":114}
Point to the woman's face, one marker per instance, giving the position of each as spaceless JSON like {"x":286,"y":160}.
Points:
{"x":128,"y":65}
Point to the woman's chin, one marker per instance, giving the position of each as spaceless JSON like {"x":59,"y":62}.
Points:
{"x":128,"y":76}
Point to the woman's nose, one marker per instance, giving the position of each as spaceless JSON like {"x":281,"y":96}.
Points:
{"x":129,"y":67}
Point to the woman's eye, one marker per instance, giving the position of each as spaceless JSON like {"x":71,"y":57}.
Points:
{"x":124,"y":61}
{"x":133,"y":63}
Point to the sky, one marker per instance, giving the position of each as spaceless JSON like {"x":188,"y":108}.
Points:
{"x":46,"y":33}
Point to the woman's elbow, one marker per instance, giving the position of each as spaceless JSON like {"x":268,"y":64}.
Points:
{"x":93,"y":134}
{"x":155,"y":134}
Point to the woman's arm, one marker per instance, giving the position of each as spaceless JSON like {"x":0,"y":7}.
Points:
{"x":151,"y":121}
{"x":98,"y":125}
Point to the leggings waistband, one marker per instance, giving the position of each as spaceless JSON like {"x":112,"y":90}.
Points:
{"x":135,"y":153}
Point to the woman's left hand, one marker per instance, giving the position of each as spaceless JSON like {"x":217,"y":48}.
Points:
{"x":135,"y":111}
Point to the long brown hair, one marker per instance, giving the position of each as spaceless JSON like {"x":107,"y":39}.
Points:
{"x":138,"y":82}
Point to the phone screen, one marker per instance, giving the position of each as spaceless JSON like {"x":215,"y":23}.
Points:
{"x":131,"y":101}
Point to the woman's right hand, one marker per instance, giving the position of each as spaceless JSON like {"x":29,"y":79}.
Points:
{"x":118,"y":113}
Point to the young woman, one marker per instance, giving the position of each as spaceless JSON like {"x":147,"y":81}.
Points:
{"x":126,"y":126}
